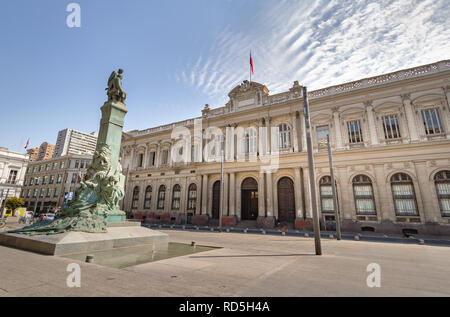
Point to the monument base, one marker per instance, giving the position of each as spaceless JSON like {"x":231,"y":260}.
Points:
{"x":124,"y":234}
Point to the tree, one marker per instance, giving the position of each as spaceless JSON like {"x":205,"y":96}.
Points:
{"x":13,"y":203}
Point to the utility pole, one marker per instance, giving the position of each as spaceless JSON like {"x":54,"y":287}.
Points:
{"x":221,"y":189}
{"x":312,"y":176}
{"x":333,"y":186}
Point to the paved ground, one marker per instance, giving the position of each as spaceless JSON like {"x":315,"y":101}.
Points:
{"x":246,"y":265}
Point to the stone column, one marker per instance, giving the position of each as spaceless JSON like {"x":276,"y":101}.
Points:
{"x":232,"y":205}
{"x":268,"y":136}
{"x":303,"y":131}
{"x":337,"y":128}
{"x":446,"y":106}
{"x":410,"y":118}
{"x":158,"y":155}
{"x":298,"y":193}
{"x":261,"y":202}
{"x":225,"y":211}
{"x":204,"y":206}
{"x":294,"y":131}
{"x":261,"y":138}
{"x":371,"y":121}
{"x":269,"y":199}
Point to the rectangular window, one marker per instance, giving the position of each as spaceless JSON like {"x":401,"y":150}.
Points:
{"x":55,"y":166}
{"x":12,"y":176}
{"x":36,"y":181}
{"x":322,"y":132}
{"x":61,"y":165}
{"x":165,"y":157}
{"x":44,"y":180}
{"x":391,"y":127}
{"x":58,"y":179}
{"x":354,"y":131}
{"x":41,"y":193}
{"x":432,"y":121}
{"x":56,"y":193}
{"x":74,"y":177}
{"x":77,"y":164}
{"x":152,"y":158}
{"x":52,"y":179}
{"x":35,"y":193}
{"x":49,"y":192}
{"x":140,"y":160}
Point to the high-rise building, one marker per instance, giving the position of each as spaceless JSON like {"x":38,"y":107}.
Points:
{"x":75,"y":142}
{"x":44,"y":152}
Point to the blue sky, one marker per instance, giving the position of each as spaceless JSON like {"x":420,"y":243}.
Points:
{"x":179,"y":55}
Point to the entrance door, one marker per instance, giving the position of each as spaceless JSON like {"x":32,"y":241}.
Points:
{"x":216,"y":200}
{"x":249,"y":199}
{"x":286,"y":200}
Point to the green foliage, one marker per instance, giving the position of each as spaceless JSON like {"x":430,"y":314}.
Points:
{"x":13,"y":203}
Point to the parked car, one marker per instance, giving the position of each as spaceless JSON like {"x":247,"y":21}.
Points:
{"x":50,"y":217}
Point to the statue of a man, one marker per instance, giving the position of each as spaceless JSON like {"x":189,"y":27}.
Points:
{"x":114,"y":90}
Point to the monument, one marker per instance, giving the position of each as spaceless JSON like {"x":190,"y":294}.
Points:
{"x":95,"y":208}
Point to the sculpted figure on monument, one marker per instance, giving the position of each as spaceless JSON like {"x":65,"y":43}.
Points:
{"x":114,"y":90}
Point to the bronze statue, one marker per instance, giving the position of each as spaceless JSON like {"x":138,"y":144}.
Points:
{"x":114,"y":90}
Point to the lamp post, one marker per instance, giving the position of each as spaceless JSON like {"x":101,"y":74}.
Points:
{"x":333,"y":186}
{"x":221,"y":188}
{"x":312,"y":177}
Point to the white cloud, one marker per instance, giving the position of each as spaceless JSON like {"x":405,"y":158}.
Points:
{"x":323,"y":43}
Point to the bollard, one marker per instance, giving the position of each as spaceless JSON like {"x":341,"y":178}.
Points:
{"x":306,"y":235}
{"x":212,"y":229}
{"x":89,"y":258}
{"x":193,"y":244}
{"x":421,"y":242}
{"x":356,"y":238}
{"x":228,"y":230}
{"x":331,"y":236}
{"x":245,"y":230}
{"x":184,"y":227}
{"x":283,"y":233}
{"x":263,"y":232}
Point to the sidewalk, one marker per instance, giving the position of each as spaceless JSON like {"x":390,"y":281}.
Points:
{"x":245,"y":265}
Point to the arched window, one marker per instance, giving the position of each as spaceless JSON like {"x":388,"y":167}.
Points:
{"x":326,"y":195}
{"x":442,"y":182}
{"x":285,"y":136}
{"x":363,"y":193}
{"x":135,"y":200}
{"x":176,"y":197}
{"x":192,"y":198}
{"x":404,"y":196}
{"x":148,"y":197}
{"x":250,"y":140}
{"x":161,"y":196}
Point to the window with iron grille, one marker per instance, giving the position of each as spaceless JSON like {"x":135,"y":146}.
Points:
{"x":176,"y":197}
{"x":161,"y":196}
{"x":12,"y":177}
{"x":442,"y":182}
{"x":284,"y":140}
{"x":322,"y":132}
{"x":134,"y":203}
{"x":391,"y":127}
{"x":192,"y":197}
{"x":250,"y":140}
{"x":148,"y":197}
{"x":432,"y":121}
{"x":363,"y":193}
{"x":404,"y":196}
{"x":326,"y":195}
{"x":354,"y":131}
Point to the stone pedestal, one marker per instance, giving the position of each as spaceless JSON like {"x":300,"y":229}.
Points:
{"x":120,"y":234}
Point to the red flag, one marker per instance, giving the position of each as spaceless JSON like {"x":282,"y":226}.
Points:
{"x":251,"y":62}
{"x":28,"y":142}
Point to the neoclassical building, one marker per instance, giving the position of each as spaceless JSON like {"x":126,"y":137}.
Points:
{"x":390,"y":137}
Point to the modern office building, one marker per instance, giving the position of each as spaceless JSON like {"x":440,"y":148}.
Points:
{"x":48,"y":184}
{"x":12,"y":172}
{"x":75,"y":142}
{"x":390,"y":137}
{"x":44,"y":152}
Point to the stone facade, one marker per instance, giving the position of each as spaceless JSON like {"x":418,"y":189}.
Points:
{"x":46,"y":183}
{"x":12,"y":172}
{"x":390,"y":137}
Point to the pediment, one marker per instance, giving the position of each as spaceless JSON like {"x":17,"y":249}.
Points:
{"x":321,"y":117}
{"x":427,"y":99}
{"x":247,"y":88}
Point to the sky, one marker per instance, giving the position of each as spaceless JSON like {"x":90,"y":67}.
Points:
{"x":178,"y":55}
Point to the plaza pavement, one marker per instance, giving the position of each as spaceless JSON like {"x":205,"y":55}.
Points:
{"x":245,"y":265}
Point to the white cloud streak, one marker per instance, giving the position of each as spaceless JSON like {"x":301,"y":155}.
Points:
{"x":323,"y":43}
